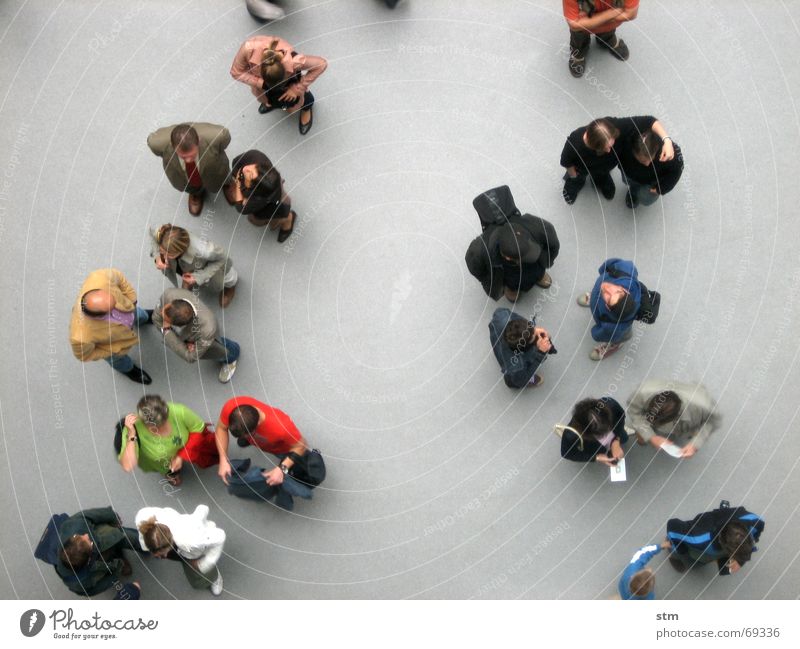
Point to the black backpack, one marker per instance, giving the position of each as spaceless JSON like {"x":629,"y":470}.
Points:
{"x":495,"y":206}
{"x":308,"y":468}
{"x":649,"y":303}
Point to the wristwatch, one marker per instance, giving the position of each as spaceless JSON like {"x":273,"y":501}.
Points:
{"x":133,"y":439}
{"x":284,"y":468}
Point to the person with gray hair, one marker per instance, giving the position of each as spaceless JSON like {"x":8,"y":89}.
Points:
{"x":190,"y":330}
{"x":662,"y":412}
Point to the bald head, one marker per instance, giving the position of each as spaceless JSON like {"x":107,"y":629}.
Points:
{"x":97,"y":302}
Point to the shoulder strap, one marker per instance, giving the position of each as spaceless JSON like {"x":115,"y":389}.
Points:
{"x":559,"y":429}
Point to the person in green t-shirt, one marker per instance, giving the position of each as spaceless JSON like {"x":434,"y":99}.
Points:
{"x":154,"y":434}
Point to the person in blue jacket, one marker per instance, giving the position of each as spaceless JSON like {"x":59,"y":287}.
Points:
{"x":638,"y":581}
{"x":520,"y":347}
{"x":614,"y":301}
{"x":726,"y":535}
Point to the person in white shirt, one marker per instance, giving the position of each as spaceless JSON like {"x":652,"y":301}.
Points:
{"x":191,"y":538}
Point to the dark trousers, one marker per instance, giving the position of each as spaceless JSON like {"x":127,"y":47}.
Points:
{"x":579,"y":41}
{"x":574,"y":185}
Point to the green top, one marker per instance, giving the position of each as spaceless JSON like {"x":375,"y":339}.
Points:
{"x":154,"y":453}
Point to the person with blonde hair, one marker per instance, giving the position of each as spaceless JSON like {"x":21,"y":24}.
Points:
{"x":198,"y":262}
{"x":191,"y":539}
{"x":278,"y":76}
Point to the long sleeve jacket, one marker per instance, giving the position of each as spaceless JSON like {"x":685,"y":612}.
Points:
{"x":518,"y":367}
{"x":570,"y":444}
{"x":607,"y":328}
{"x":195,"y":536}
{"x":698,"y":417}
{"x":202,"y":330}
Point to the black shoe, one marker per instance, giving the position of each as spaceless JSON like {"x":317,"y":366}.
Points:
{"x":283,"y":235}
{"x":305,"y":128}
{"x":577,"y":65}
{"x":263,"y":109}
{"x":138,"y":375}
{"x":569,"y":199}
{"x":607,"y":187}
{"x":676,"y":563}
{"x":242,"y":442}
{"x":630,"y":201}
{"x":619,"y":49}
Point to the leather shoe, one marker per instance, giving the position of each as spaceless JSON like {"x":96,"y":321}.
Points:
{"x":226,"y":296}
{"x":138,"y":375}
{"x":263,"y":109}
{"x":283,"y":235}
{"x":195,"y":204}
{"x":305,"y":128}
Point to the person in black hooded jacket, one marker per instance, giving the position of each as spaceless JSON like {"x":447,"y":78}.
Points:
{"x":726,"y":535}
{"x":514,"y":257}
{"x":646,"y":175}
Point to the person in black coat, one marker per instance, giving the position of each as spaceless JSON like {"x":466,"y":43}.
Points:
{"x":513,"y":257}
{"x":592,"y":151}
{"x":600,"y":424}
{"x":726,"y":535}
{"x":520,"y":347}
{"x":643,"y":171}
{"x":258,"y":192}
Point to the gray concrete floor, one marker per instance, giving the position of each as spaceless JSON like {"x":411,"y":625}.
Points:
{"x":366,"y":326}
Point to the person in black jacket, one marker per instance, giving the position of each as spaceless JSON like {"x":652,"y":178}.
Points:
{"x":643,"y":171}
{"x":258,"y":192}
{"x":520,"y":347}
{"x":726,"y":535}
{"x":514,"y":257}
{"x":592,"y":151}
{"x":600,"y":424}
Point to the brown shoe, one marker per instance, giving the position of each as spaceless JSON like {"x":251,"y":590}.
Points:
{"x":195,"y":204}
{"x":226,"y":296}
{"x":230,"y":193}
{"x":546,"y":281}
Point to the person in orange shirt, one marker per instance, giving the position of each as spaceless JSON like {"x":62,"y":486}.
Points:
{"x":601,"y":18}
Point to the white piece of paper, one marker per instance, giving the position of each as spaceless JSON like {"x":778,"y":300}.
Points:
{"x":618,"y":472}
{"x":672,"y":449}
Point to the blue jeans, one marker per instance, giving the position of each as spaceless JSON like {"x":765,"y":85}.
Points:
{"x":232,"y":349}
{"x":641,"y":193}
{"x":122,"y":362}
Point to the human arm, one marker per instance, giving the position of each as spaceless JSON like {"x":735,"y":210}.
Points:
{"x":123,"y":284}
{"x":157,"y":141}
{"x":578,"y":20}
{"x":100,"y":516}
{"x":479,"y":263}
{"x":313,"y":66}
{"x":240,"y":69}
{"x":215,"y":258}
{"x":667,"y":149}
{"x":669,"y":176}
{"x":211,"y":547}
{"x":129,"y":451}
{"x":221,"y":439}
{"x":275,"y":476}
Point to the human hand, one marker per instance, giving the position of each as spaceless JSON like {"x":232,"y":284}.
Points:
{"x":667,"y":151}
{"x":161,"y":264}
{"x":130,"y":422}
{"x":616,"y":450}
{"x":604,"y":459}
{"x":176,"y":464}
{"x":666,"y":545}
{"x":274,"y":477}
{"x":292,"y":93}
{"x":188,"y":280}
{"x":658,"y":441}
{"x":191,"y":347}
{"x":224,"y":470}
{"x":688,"y":450}
{"x":542,"y":338}
{"x":653,"y":190}
{"x":733,"y":566}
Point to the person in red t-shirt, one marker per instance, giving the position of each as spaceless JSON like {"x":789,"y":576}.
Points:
{"x":252,"y":422}
{"x":601,"y":18}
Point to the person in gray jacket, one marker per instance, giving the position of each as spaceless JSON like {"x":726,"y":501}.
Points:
{"x":662,"y":411}
{"x":190,"y":330}
{"x":514,"y":257}
{"x":197,"y":261}
{"x":520,"y":348}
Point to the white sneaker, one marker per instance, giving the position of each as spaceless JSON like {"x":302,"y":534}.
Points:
{"x":227,"y":371}
{"x":216,"y":587}
{"x":264,"y":10}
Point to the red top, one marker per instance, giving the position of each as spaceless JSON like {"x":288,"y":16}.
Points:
{"x":276,"y":434}
{"x":571,"y":12}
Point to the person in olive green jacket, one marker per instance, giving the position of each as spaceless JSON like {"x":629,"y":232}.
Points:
{"x":194,"y":159}
{"x":90,"y":559}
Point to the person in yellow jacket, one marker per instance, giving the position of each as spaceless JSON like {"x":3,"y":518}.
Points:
{"x":105,"y":323}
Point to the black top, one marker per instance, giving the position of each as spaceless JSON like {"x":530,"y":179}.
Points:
{"x":576,"y":154}
{"x":570,"y":444}
{"x":663,"y":176}
{"x":267,"y":195}
{"x":274,"y":92}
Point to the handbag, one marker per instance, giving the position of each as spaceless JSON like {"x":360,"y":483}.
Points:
{"x":308,"y":468}
{"x":560,"y":429}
